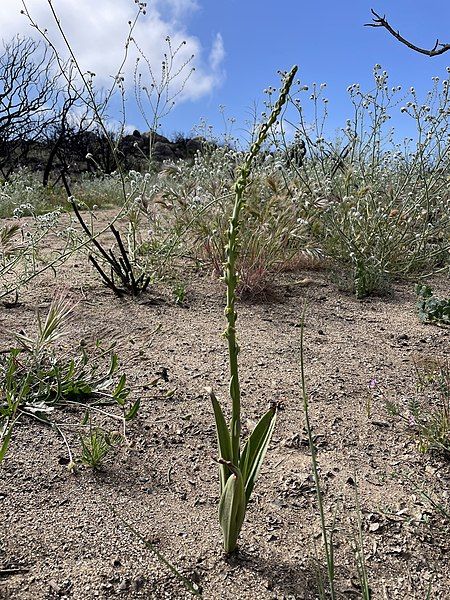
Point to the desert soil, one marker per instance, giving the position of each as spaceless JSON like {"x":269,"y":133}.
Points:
{"x":59,"y":537}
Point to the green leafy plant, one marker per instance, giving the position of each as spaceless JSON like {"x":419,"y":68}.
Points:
{"x":36,"y":381}
{"x":179,"y":292}
{"x":430,"y":308}
{"x":239,"y":469}
{"x":97,"y":444}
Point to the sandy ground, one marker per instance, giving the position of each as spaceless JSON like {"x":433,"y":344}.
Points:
{"x":59,"y":537}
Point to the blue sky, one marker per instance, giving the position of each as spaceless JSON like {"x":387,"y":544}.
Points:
{"x":240,"y":45}
{"x":326,"y":39}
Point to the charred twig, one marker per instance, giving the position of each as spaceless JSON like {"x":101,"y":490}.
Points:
{"x":121,"y":267}
{"x":108,"y":281}
{"x":381,"y":21}
{"x":13,"y":571}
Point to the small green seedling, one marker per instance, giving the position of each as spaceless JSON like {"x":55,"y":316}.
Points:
{"x":96,"y":445}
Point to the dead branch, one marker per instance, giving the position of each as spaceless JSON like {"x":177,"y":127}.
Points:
{"x":381,"y":21}
{"x":29,"y":94}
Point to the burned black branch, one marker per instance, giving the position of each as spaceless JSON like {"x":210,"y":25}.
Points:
{"x":381,"y":21}
{"x":29,"y":94}
{"x":121,"y":267}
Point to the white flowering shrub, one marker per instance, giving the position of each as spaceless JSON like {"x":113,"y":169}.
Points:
{"x":374,"y":206}
{"x":378,"y":208}
{"x":103,"y":192}
{"x":22,"y":244}
{"x":24,"y":191}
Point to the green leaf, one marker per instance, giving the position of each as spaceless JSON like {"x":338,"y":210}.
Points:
{"x":118,"y":394}
{"x":133,"y":410}
{"x":5,"y":443}
{"x":114,"y":363}
{"x":232,"y":507}
{"x":255,"y":450}
{"x":430,"y":308}
{"x":223,"y":438}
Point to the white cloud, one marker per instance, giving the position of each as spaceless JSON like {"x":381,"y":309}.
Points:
{"x":217,"y":53}
{"x":177,"y":9}
{"x":97,"y":31}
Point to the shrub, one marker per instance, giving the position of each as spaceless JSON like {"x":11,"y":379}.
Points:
{"x":378,"y":207}
{"x":192,"y":205}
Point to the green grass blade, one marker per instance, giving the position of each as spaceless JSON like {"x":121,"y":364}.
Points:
{"x":327,"y":540}
{"x":5,"y":443}
{"x":190,"y":586}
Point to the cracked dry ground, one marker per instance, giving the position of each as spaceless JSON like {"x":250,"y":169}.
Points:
{"x":59,"y":537}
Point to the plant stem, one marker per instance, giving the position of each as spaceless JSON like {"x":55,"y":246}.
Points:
{"x":230,"y":275}
{"x":328,"y":543}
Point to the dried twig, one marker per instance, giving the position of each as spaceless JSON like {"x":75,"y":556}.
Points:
{"x":121,"y":266}
{"x":381,"y":21}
